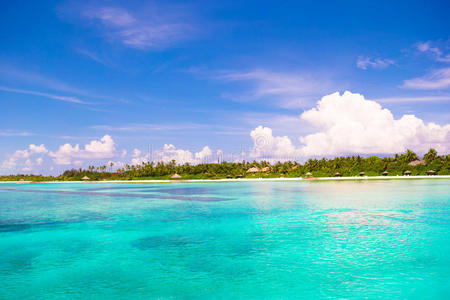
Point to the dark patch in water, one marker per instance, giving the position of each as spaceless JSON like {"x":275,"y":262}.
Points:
{"x":120,"y":188}
{"x":184,"y":191}
{"x":16,"y":261}
{"x":149,"y":196}
{"x":14,"y":227}
{"x":22,"y":224}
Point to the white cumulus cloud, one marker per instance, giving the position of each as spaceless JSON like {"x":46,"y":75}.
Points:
{"x":169,"y":152}
{"x":204,"y":153}
{"x":38,"y":149}
{"x":96,"y":149}
{"x":266,"y":145}
{"x":351,"y":124}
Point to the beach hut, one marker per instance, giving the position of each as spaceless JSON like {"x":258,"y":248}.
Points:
{"x":308,"y":174}
{"x":253,"y":170}
{"x":385,"y":173}
{"x":85,"y":178}
{"x":362,"y":173}
{"x":407,"y":173}
{"x":265,"y":169}
{"x":337,"y":174}
{"x":240,"y":176}
{"x":175,"y":176}
{"x":431,"y":172}
{"x":229,"y":176}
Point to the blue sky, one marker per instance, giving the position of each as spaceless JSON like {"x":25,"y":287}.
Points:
{"x":205,"y":73}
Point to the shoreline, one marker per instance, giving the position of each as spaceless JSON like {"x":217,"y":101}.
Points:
{"x":248,"y":179}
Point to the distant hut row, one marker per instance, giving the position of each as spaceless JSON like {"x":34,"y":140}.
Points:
{"x":385,"y":173}
{"x":254,"y":170}
{"x":429,"y":172}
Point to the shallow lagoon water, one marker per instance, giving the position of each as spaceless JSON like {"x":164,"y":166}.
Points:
{"x":232,"y":240}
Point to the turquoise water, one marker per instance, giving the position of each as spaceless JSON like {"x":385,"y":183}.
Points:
{"x":243,"y":240}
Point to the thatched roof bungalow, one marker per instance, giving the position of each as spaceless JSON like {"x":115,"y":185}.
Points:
{"x":407,"y":173}
{"x":253,"y":170}
{"x":85,"y":178}
{"x":309,"y":174}
{"x":362,"y":173}
{"x":175,"y":176}
{"x":337,"y":174}
{"x":431,"y":172}
{"x":416,"y":162}
{"x":385,"y":173}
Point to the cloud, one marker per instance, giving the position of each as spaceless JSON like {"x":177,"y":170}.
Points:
{"x":436,"y":52}
{"x":205,"y":153}
{"x":350,"y":124}
{"x":32,"y":149}
{"x":111,"y":16}
{"x":93,"y":57}
{"x":7,"y":71}
{"x":287,"y":90}
{"x":45,"y":95}
{"x":137,"y":153}
{"x":9,"y":164}
{"x":9,"y":132}
{"x":439,"y":79}
{"x":157,"y":28}
{"x":169,"y":152}
{"x":413,"y":99}
{"x":96,"y":149}
{"x":25,"y":154}
{"x":139,"y":160}
{"x":268,"y":146}
{"x":364,"y":63}
{"x":148,"y":126}
{"x":38,"y":149}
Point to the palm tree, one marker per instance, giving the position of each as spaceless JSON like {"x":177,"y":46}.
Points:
{"x":410,"y":155}
{"x":430,"y":156}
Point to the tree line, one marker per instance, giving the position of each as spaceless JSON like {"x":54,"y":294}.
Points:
{"x":407,"y":162}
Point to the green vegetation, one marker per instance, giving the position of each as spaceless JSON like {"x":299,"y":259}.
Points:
{"x":346,"y":166}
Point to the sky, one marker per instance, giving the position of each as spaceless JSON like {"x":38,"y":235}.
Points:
{"x":90,"y":82}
